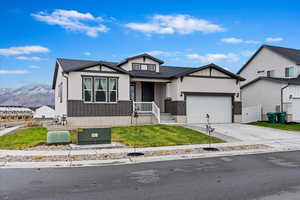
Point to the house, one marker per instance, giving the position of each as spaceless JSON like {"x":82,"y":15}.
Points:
{"x":101,"y":93}
{"x":272,"y":81}
{"x":11,"y":113}
{"x":44,"y":112}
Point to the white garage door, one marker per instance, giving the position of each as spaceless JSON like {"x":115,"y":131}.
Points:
{"x":296,"y":109}
{"x":219,"y":109}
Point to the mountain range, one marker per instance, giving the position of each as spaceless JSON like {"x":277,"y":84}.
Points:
{"x":32,"y":95}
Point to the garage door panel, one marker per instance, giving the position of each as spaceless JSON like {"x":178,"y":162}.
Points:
{"x":218,"y":107}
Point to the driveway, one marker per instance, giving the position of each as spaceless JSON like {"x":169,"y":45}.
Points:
{"x":243,"y":132}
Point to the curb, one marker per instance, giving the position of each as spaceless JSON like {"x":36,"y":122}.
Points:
{"x":134,"y":160}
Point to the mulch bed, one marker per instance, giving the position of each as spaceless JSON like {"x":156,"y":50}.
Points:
{"x":41,"y":158}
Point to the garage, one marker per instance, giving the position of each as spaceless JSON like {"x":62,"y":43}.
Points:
{"x":219,"y":109}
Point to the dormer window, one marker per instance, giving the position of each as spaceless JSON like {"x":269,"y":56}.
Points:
{"x":289,"y":72}
{"x":151,"y":67}
{"x":136,"y":66}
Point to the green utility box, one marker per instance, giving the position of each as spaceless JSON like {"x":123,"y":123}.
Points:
{"x":281,"y":116}
{"x":94,"y":136}
{"x":58,"y":137}
{"x":272,"y":117}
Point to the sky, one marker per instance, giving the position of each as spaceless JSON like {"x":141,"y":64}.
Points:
{"x":186,"y":33}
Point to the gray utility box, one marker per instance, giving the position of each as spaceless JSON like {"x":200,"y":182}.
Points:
{"x":94,"y":136}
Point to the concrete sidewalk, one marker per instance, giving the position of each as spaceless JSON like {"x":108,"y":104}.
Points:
{"x":8,"y":130}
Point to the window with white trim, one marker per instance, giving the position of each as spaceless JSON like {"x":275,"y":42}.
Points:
{"x":100,"y":85}
{"x":100,"y":89}
{"x":136,"y":67}
{"x":87,"y":89}
{"x":113,"y":89}
{"x":290,"y":72}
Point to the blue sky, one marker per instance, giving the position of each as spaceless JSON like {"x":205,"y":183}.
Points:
{"x":182,"y":33}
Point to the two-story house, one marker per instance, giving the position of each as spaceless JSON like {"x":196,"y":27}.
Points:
{"x":272,"y":80}
{"x":101,"y":93}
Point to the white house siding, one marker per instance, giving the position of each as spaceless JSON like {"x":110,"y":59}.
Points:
{"x":60,"y":107}
{"x":44,"y":112}
{"x":215,"y":85}
{"x":264,"y":93}
{"x":75,"y":84}
{"x":128,"y":66}
{"x":267,"y":60}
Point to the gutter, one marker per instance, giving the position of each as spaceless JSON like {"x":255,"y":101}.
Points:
{"x":281,"y":97}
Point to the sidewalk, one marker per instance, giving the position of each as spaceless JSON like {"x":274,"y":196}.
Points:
{"x":273,"y":146}
{"x":8,"y":130}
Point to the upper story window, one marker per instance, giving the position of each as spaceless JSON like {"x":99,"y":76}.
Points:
{"x":290,"y":72}
{"x":136,"y":66}
{"x":100,"y":89}
{"x":151,"y":67}
{"x":271,"y":73}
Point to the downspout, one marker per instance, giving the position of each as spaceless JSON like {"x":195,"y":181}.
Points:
{"x":67,"y":79}
{"x":281,"y":100}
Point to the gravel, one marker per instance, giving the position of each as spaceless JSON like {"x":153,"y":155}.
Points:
{"x":41,"y":158}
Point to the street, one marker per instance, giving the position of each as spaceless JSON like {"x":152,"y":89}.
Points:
{"x":264,"y":176}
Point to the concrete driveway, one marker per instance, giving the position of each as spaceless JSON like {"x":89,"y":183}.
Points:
{"x":243,"y":132}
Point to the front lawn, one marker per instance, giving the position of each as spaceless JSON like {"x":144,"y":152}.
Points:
{"x":139,"y":136}
{"x":159,"y":135}
{"x":287,"y":127}
{"x":23,"y":138}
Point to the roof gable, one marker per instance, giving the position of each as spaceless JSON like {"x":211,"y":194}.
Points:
{"x":211,"y":66}
{"x":144,"y":55}
{"x":291,"y":54}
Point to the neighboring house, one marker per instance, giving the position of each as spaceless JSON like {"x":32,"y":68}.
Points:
{"x":44,"y":112}
{"x":100,"y":93}
{"x":272,"y":80}
{"x":14,"y":113}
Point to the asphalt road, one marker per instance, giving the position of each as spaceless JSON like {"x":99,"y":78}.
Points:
{"x":264,"y":177}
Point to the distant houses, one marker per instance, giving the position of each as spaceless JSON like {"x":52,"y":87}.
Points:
{"x":8,"y":113}
{"x":44,"y":112}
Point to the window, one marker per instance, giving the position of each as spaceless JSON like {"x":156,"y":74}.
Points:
{"x":289,"y":72}
{"x":151,"y":67}
{"x":60,"y":92}
{"x":100,"y":89}
{"x":136,"y":66}
{"x":271,"y":73}
{"x":100,"y":85}
{"x":112,"y":90}
{"x":87,"y":89}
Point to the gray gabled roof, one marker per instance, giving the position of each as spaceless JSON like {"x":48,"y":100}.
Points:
{"x":143,"y":55}
{"x":166,"y":72}
{"x":292,"y":81}
{"x":289,"y":53}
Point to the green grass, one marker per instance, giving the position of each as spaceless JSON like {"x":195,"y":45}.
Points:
{"x":287,"y":127}
{"x":159,"y":135}
{"x":23,"y":138}
{"x":139,"y":136}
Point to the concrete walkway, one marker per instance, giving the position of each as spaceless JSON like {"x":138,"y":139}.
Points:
{"x":8,"y":130}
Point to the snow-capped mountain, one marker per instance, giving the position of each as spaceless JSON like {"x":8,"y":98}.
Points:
{"x":28,"y":95}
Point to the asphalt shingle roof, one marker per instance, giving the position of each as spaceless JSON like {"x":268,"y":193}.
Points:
{"x":292,"y":81}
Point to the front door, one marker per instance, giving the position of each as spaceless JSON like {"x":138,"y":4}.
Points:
{"x":147,"y":91}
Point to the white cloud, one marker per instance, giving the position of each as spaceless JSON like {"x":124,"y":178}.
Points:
{"x":274,"y":39}
{"x":23,"y":50}
{"x":87,"y":53}
{"x":34,"y":67}
{"x":171,"y":24}
{"x":15,"y":72}
{"x":208,"y":58}
{"x":233,"y":40}
{"x":33,"y":58}
{"x":247,"y":53}
{"x":73,"y":20}
{"x":164,"y":53}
